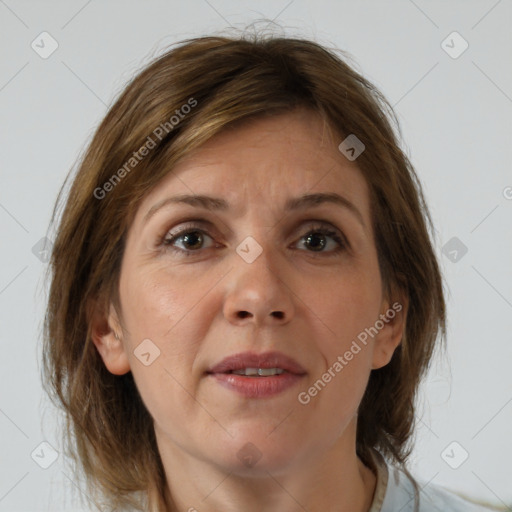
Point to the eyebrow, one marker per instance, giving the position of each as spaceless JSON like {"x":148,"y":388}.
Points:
{"x":294,"y":204}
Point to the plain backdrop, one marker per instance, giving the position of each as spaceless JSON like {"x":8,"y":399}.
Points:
{"x":455,"y":108}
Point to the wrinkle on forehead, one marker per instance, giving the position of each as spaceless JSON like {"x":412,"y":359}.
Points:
{"x":265,"y":161}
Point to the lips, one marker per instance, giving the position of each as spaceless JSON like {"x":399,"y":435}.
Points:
{"x":257,"y":376}
{"x":265,"y":360}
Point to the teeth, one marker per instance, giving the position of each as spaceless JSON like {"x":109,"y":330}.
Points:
{"x":260,"y":372}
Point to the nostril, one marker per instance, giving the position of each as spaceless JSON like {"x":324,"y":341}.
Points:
{"x":278,"y":314}
{"x":243,"y":314}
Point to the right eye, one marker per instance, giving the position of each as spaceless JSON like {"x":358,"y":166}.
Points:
{"x":191,"y":238}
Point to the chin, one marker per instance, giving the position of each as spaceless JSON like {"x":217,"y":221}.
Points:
{"x":255,"y":452}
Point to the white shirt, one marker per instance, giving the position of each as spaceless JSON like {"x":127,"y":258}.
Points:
{"x":394,"y":492}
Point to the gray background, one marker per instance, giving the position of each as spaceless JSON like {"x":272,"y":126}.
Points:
{"x":456,"y":119}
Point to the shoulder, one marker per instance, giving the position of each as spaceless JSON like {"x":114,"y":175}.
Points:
{"x":396,"y":491}
{"x":434,"y":498}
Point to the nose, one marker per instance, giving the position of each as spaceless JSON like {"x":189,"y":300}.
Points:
{"x":258,"y":292}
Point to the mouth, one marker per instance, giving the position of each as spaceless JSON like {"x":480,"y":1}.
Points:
{"x":257,"y":375}
{"x":258,"y":372}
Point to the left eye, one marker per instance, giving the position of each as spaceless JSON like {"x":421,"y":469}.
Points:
{"x":317,"y":240}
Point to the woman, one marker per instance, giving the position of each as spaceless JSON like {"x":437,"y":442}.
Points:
{"x":244,"y":292}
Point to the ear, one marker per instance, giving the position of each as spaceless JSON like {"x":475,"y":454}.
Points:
{"x":393,"y":316}
{"x":107,"y":336}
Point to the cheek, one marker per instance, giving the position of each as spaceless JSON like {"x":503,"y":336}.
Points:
{"x":167,"y":308}
{"x":351,"y":305}
{"x":159,"y":306}
{"x":350,"y":308}
{"x":335,"y":391}
{"x":157,"y":302}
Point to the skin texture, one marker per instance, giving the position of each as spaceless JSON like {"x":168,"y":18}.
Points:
{"x":198,"y":309}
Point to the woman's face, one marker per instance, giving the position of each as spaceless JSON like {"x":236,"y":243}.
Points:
{"x":245,"y":274}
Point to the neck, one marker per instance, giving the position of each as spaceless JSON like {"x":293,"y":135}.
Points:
{"x":334,"y":480}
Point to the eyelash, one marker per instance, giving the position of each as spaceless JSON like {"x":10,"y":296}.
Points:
{"x":320,"y":228}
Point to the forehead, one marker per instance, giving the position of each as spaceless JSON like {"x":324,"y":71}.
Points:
{"x":267,"y":161}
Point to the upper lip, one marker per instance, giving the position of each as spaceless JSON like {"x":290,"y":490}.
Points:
{"x":253,"y":360}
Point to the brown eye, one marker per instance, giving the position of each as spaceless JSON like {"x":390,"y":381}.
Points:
{"x":323,"y":240}
{"x":187,"y":241}
{"x":315,"y":241}
{"x":192,"y":240}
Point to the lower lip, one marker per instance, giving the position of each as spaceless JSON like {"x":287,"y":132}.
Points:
{"x":257,"y":387}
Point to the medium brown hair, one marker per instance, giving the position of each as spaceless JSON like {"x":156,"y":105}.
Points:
{"x":231,"y":79}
